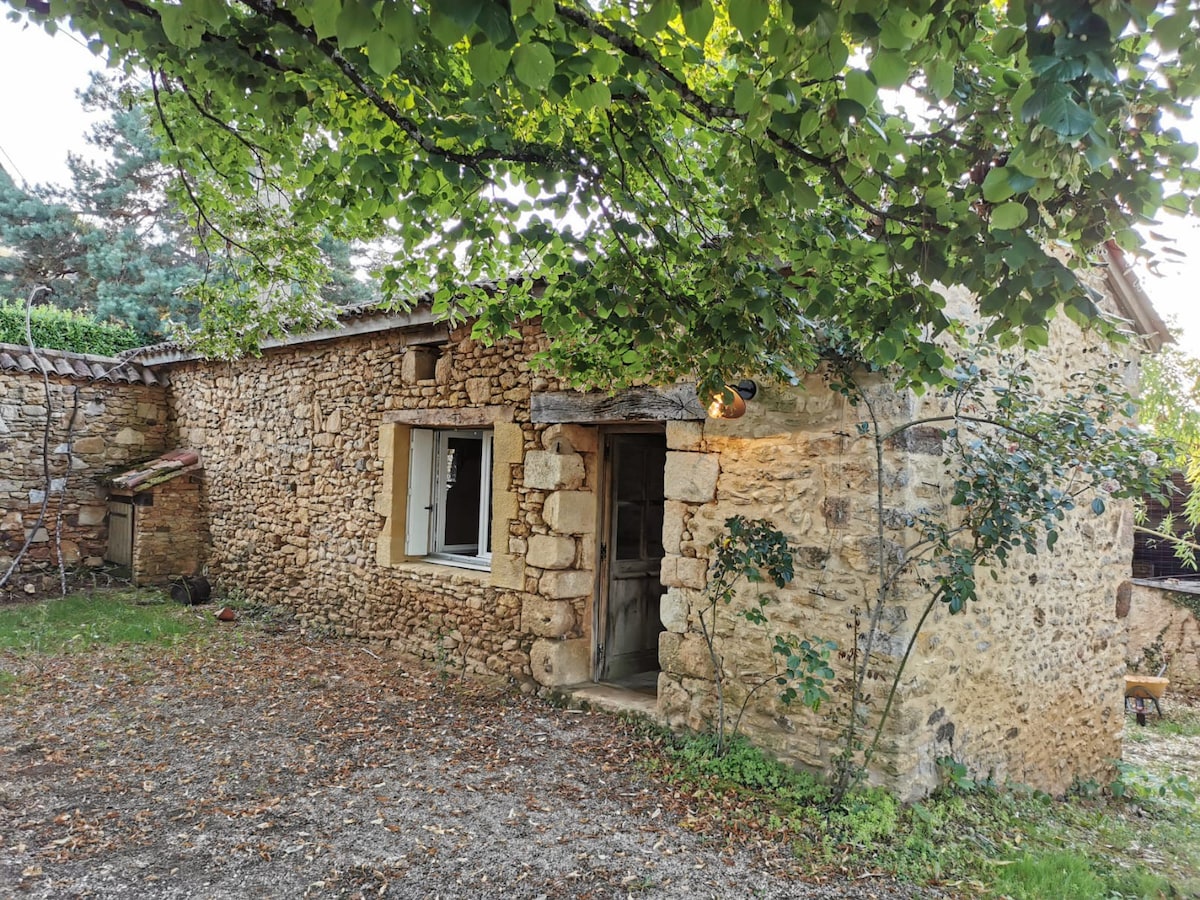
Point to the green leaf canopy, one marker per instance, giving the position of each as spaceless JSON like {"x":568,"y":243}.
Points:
{"x":699,"y":188}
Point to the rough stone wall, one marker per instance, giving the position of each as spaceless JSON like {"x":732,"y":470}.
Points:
{"x":298,"y":488}
{"x":305,"y":460}
{"x":1024,"y":686}
{"x":170,"y":535}
{"x":117,"y":424}
{"x":558,"y":546}
{"x":1163,"y":627}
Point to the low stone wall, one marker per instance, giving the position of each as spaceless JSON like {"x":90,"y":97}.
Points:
{"x":118,"y":418}
{"x":1164,"y":628}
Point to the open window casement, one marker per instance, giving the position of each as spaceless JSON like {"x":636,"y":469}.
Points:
{"x":449,"y":496}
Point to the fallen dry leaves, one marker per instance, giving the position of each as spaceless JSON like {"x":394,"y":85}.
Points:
{"x":278,"y":764}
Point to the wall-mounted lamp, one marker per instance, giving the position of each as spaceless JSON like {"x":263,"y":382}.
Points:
{"x":730,"y":402}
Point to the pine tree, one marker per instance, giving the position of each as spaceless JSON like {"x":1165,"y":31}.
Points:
{"x":114,"y":242}
{"x":41,"y":242}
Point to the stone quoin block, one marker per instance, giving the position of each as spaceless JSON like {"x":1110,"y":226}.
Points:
{"x":559,"y":663}
{"x":548,"y":551}
{"x":691,"y":477}
{"x":566,"y":584}
{"x":571,"y":512}
{"x":549,"y":471}
{"x":547,"y":618}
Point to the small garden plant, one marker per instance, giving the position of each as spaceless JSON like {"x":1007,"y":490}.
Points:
{"x":755,"y":552}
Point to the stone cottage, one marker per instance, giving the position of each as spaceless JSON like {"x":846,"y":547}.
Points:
{"x":397,"y":481}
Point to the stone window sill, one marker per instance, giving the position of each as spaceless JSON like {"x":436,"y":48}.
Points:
{"x":445,"y":568}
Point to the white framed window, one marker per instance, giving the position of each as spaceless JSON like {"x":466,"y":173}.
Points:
{"x":449,"y":512}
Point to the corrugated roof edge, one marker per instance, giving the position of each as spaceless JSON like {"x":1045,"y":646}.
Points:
{"x":1133,"y":301}
{"x":77,"y":366}
{"x":364,"y":318}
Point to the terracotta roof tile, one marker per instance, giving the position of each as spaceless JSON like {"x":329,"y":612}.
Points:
{"x":85,"y":366}
{"x":156,"y":471}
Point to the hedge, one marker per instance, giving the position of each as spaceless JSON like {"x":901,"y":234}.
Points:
{"x":61,"y":329}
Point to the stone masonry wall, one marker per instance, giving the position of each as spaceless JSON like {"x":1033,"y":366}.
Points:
{"x":170,"y":533}
{"x":1163,"y":628}
{"x":1025,"y":685}
{"x":305,"y":454}
{"x":117,"y":423}
{"x":301,"y":479}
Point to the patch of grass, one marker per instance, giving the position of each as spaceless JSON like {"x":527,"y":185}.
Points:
{"x":1135,"y":839}
{"x":744,"y":766}
{"x":1060,"y":874}
{"x":86,"y":621}
{"x":1184,"y":726}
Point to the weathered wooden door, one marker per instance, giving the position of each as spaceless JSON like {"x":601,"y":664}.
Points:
{"x":120,"y":531}
{"x":631,"y":553}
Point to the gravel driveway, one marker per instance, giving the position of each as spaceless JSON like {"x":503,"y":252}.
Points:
{"x":278,"y":765}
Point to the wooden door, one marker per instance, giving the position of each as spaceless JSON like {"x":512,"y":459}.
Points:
{"x":631,"y":552}
{"x":120,"y":531}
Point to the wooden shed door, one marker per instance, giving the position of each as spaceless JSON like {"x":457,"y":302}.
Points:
{"x":631,"y":554}
{"x":120,"y":531}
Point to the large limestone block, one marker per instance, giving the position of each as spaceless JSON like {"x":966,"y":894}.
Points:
{"x":548,"y":551}
{"x":565,"y":438}
{"x":128,"y":437}
{"x":559,"y":663}
{"x":684,"y":572}
{"x":92,"y":515}
{"x":479,"y":390}
{"x":673,"y":610}
{"x":571,"y":512}
{"x":691,"y":477}
{"x":549,"y":471}
{"x":508,"y":440}
{"x":691,"y":572}
{"x":89,"y":445}
{"x":685,"y":435}
{"x":508,"y":571}
{"x":672,"y":534}
{"x":547,"y":618}
{"x":684,"y":654}
{"x":566,"y":584}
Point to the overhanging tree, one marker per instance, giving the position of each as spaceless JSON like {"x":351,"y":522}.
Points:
{"x":701,"y":188}
{"x":112,"y":241}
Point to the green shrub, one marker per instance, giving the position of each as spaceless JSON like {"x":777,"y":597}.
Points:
{"x":866,"y":817}
{"x":744,"y":765}
{"x":60,"y":329}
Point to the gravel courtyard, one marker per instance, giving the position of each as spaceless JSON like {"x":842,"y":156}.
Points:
{"x":268,"y":763}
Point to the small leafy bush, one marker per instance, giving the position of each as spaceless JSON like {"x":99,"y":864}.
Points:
{"x":866,"y":817}
{"x":62,"y":329}
{"x":744,"y":765}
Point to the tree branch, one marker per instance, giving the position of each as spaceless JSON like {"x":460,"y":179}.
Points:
{"x":473,"y":161}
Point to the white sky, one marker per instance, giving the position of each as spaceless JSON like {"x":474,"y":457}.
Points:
{"x":40,"y":120}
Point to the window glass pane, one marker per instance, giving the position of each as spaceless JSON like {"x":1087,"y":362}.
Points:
{"x":463,"y":473}
{"x":631,"y":474}
{"x":654,"y":526}
{"x":629,"y":530}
